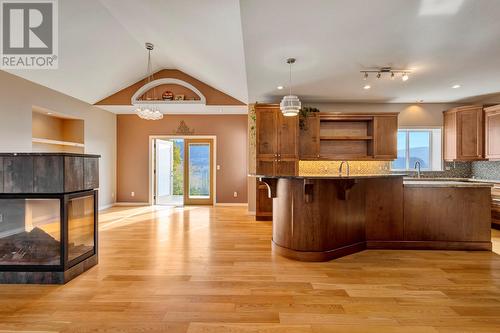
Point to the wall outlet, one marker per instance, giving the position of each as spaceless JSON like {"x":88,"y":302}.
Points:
{"x":132,"y":194}
{"x":218,"y":167}
{"x":235,"y":194}
{"x":1,"y":217}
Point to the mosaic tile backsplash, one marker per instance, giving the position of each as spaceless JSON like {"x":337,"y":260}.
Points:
{"x":486,"y":170}
{"x":321,"y":168}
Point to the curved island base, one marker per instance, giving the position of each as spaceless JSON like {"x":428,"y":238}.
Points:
{"x":323,"y":218}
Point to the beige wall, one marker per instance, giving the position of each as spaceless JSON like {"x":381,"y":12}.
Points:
{"x":424,"y":114}
{"x":18,"y":96}
{"x":133,"y":153}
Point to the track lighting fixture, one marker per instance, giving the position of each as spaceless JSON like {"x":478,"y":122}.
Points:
{"x":392,"y":73}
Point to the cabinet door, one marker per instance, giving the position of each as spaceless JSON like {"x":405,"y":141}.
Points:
{"x":493,"y":134}
{"x":450,"y":136}
{"x":266,"y":166}
{"x":48,"y":174}
{"x":286,"y":167}
{"x":267,"y":138}
{"x":385,"y":136}
{"x":470,"y":134}
{"x":18,"y":174}
{"x":264,"y":204}
{"x":288,"y":131}
{"x":309,"y":138}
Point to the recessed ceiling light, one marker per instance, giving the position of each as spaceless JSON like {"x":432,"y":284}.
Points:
{"x":456,"y":86}
{"x":49,"y":113}
{"x":366,"y":87}
{"x":279,"y":87}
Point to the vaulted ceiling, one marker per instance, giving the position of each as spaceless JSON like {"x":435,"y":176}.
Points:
{"x":240,"y":47}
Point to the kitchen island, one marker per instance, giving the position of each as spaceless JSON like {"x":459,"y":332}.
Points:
{"x":319,"y":218}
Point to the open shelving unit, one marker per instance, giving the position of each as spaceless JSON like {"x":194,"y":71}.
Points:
{"x":346,"y":137}
{"x":56,"y":133}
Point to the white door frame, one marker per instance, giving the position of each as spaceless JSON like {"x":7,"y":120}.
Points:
{"x":167,"y":137}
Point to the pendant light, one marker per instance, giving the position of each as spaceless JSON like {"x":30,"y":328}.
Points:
{"x":290,"y":105}
{"x":149,"y":112}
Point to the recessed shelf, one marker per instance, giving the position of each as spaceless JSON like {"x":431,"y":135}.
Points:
{"x":57,"y":142}
{"x":347,"y":137}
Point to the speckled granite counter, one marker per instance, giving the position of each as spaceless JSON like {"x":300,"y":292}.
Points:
{"x":444,"y":183}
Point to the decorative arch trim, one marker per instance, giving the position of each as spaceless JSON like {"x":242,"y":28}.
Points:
{"x":158,"y":82}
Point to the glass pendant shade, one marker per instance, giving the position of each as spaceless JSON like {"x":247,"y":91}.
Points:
{"x":149,"y":112}
{"x":290,"y":105}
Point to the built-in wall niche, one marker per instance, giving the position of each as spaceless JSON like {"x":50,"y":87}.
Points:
{"x":55,"y":133}
{"x":170,"y":93}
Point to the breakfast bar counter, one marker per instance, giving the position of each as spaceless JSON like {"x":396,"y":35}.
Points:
{"x":319,"y":218}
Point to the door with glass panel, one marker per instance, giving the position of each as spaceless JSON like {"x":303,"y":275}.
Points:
{"x":198,"y":173}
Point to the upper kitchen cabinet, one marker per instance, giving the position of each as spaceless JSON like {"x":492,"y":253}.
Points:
{"x":464,"y":133}
{"x":309,"y":137}
{"x":385,"y":137}
{"x":492,"y":130}
{"x":276,"y":141}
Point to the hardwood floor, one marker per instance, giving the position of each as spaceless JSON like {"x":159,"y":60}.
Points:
{"x":205,"y":269}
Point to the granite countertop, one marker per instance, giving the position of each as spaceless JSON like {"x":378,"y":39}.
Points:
{"x":48,"y":154}
{"x":359,"y":176}
{"x":444,"y":183}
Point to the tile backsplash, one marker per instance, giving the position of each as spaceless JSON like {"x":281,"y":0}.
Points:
{"x":320,"y":168}
{"x":486,"y":170}
{"x":451,"y":170}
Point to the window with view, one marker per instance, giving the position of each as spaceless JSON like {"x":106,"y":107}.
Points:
{"x":419,"y":145}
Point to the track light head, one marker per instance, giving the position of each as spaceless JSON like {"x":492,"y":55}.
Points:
{"x":366,"y":76}
{"x":379,"y":75}
{"x":405,"y":77}
{"x":392,"y":75}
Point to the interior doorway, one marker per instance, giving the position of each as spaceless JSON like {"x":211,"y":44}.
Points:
{"x":182,"y":170}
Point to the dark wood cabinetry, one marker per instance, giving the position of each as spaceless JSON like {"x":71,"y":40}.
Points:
{"x":492,"y":131}
{"x":464,"y":133}
{"x":385,"y":136}
{"x":309,"y":138}
{"x":277,"y":141}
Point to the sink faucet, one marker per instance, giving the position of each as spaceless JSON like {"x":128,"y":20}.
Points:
{"x":340,"y":168}
{"x":417,"y":166}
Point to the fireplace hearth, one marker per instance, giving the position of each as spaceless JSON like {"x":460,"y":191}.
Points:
{"x":48,"y":216}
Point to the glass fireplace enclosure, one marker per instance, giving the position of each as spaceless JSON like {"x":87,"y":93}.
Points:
{"x":49,"y":232}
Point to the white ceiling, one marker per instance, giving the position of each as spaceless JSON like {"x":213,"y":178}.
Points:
{"x":240,"y":47}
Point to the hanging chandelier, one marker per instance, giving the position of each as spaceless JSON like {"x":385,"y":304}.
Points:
{"x":290,"y":105}
{"x":149,"y":112}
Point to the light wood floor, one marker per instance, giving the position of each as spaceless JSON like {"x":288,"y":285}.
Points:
{"x":207,"y":270}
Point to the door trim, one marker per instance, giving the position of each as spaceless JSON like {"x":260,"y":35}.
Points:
{"x":151,"y":179}
{"x":187,"y":200}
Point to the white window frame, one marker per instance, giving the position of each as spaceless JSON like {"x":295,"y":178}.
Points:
{"x":432,"y":160}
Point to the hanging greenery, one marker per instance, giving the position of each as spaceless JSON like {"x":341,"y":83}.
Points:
{"x":304,"y":112}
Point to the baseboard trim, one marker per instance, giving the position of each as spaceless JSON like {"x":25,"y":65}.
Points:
{"x":104,"y":207}
{"x":131,"y":204}
{"x":233,"y":204}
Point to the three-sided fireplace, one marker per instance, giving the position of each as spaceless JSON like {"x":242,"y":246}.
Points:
{"x":48,"y":216}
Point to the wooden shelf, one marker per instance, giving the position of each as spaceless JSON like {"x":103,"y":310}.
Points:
{"x":350,"y":137}
{"x":57,"y":142}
